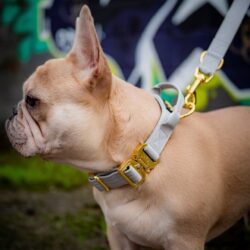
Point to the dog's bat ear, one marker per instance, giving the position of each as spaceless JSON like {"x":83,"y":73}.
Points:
{"x":87,"y":54}
{"x":86,"y":47}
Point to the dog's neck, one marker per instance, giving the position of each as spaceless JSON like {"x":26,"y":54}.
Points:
{"x":134,"y":114}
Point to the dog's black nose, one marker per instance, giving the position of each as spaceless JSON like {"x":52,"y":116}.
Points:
{"x":14,"y":111}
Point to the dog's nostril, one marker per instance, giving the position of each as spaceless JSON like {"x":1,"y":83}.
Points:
{"x":14,"y":111}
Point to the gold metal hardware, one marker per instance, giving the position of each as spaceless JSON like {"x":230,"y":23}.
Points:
{"x":190,"y":102}
{"x":169,"y":106}
{"x":204,"y":53}
{"x":200,"y":78}
{"x":140,"y":156}
{"x":141,"y":162}
{"x":136,"y":166}
{"x":106,"y":188}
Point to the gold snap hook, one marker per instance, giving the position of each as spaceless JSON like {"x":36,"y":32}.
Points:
{"x":200,"y":77}
{"x":190,"y":101}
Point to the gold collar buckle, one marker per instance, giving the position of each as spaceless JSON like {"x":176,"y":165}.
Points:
{"x":143,"y":158}
{"x":139,"y":161}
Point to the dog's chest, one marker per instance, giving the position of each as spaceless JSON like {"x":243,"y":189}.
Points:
{"x":142,"y":223}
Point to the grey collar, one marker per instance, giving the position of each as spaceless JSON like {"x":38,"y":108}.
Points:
{"x":146,"y":156}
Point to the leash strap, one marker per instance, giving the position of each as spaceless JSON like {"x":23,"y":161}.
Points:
{"x":154,"y":144}
{"x":224,"y":37}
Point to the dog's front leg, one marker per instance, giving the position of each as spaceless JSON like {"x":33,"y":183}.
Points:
{"x":118,"y":240}
{"x":187,"y":243}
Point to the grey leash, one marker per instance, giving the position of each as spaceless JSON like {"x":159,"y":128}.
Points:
{"x":224,"y":37}
{"x":212,"y":59}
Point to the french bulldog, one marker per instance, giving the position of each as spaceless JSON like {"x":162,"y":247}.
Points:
{"x":75,"y":111}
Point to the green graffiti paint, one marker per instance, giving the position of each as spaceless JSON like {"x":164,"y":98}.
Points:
{"x":155,"y":78}
{"x":23,"y":21}
{"x":46,"y":37}
{"x":156,"y":73}
{"x":114,"y":66}
{"x":245,"y":102}
{"x":207,"y":92}
{"x":203,"y":91}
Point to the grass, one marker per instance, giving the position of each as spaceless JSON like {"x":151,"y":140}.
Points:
{"x":46,"y":231}
{"x":34,"y":174}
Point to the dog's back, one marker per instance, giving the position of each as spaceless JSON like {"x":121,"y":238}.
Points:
{"x":232,"y":128}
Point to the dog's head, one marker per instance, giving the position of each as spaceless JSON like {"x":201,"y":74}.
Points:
{"x":64,"y":102}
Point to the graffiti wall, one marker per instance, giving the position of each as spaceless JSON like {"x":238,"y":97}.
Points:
{"x":146,"y":41}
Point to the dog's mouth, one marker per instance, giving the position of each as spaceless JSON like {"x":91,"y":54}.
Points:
{"x":16,"y":134}
{"x":15,"y":131}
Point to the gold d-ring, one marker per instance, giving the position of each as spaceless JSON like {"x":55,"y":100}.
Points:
{"x":204,"y":53}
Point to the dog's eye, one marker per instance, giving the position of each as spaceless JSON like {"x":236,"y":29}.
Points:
{"x":31,"y":101}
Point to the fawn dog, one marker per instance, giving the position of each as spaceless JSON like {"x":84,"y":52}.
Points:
{"x":75,"y":111}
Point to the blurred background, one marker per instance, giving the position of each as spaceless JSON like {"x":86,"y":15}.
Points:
{"x":49,"y":206}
